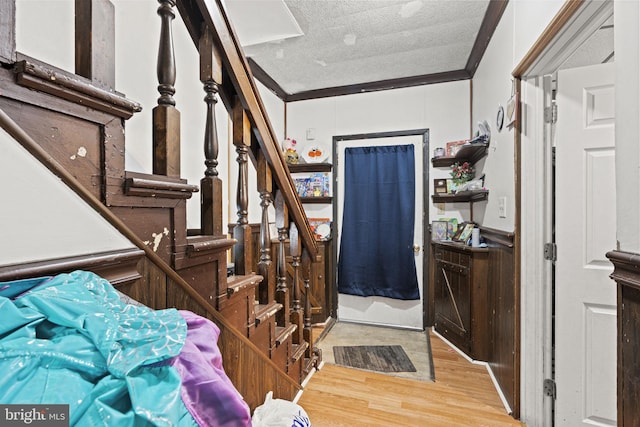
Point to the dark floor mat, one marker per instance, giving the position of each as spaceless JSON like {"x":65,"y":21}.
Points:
{"x":381,"y":358}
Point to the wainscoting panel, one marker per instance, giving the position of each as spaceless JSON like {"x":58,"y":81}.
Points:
{"x":505,"y":297}
{"x":627,"y":276}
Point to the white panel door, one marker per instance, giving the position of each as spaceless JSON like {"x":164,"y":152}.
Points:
{"x":585,"y":320}
{"x":374,"y":309}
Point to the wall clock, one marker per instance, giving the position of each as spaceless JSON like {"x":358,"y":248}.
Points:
{"x":500,"y":118}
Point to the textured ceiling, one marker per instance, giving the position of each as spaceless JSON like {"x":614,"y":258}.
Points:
{"x":356,"y":42}
{"x":598,"y":49}
{"x":305,"y":49}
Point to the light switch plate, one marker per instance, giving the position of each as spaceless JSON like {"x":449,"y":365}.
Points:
{"x":502,"y":207}
{"x":311,"y":134}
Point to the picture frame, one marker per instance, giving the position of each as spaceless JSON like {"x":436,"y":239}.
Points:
{"x":452,"y":226}
{"x":321,"y":228}
{"x":440,"y":186}
{"x":453,"y":147}
{"x":439,"y":231}
{"x":511,"y":112}
{"x":464,"y":232}
{"x":451,"y":187}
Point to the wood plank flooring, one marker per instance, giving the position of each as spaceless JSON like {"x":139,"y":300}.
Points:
{"x":463,"y":395}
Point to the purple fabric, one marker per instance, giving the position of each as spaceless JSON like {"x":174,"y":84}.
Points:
{"x":207,"y":392}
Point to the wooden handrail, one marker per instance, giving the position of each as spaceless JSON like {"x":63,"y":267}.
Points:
{"x":238,"y":73}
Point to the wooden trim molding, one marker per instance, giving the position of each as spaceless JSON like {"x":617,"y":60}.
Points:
{"x":487,"y":28}
{"x":118,"y":267}
{"x":626,"y":268}
{"x":426,"y":79}
{"x":563,"y":16}
{"x":45,"y":78}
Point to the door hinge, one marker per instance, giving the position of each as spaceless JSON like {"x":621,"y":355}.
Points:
{"x":551,"y":113}
{"x":549,"y":388}
{"x":550,"y":251}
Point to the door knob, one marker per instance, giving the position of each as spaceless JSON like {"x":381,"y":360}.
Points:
{"x":416,"y":248}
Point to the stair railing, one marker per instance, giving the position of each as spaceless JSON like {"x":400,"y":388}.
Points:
{"x":224,"y":72}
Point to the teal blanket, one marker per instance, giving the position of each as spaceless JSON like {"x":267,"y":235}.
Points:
{"x":71,"y":336}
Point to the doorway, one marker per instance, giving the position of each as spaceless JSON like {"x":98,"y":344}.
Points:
{"x":554,"y":261}
{"x":377,"y":310}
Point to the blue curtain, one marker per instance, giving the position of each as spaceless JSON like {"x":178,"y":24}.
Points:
{"x":376,"y":245}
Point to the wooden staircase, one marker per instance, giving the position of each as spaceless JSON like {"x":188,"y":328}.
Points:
{"x":264,"y":300}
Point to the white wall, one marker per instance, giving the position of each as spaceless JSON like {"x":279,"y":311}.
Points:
{"x":492,"y":87}
{"x":522,"y":23}
{"x":627,"y":63}
{"x":45,"y":31}
{"x":44,"y":219}
{"x":42,"y":209}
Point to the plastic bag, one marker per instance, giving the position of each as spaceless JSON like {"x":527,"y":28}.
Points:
{"x":279,"y":413}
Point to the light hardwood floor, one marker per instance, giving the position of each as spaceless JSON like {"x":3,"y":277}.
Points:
{"x":462,"y":395}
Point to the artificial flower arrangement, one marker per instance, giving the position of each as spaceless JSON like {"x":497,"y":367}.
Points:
{"x":462,"y":172}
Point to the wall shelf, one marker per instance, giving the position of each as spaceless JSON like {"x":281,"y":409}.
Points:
{"x":310,"y":167}
{"x":315,"y":199}
{"x":462,"y":197}
{"x":467,"y":153}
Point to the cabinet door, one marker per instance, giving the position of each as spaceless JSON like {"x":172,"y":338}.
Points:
{"x":452,"y":303}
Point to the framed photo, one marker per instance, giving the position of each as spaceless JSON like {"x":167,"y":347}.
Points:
{"x":321,"y":227}
{"x":511,"y":112}
{"x":452,"y":226}
{"x":453,"y":147}
{"x":440,"y":186}
{"x":439,"y":230}
{"x":464,"y":232}
{"x":451,"y":187}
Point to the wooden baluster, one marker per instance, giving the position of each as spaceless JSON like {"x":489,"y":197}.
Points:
{"x":306,"y":274}
{"x":266,"y":290}
{"x":282,"y":292}
{"x":242,"y":252}
{"x":166,"y":118}
{"x":211,"y":184}
{"x":296,"y":311}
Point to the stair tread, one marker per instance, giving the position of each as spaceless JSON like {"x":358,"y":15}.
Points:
{"x":299,"y":350}
{"x":283,"y":333}
{"x":264,"y":311}
{"x":237,"y":283}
